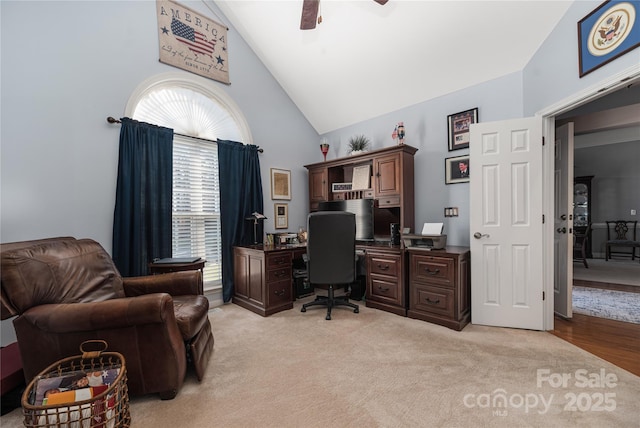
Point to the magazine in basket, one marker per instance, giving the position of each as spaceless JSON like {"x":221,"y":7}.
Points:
{"x":72,"y":386}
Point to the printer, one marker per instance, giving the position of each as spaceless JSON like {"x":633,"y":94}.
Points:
{"x":431,"y":237}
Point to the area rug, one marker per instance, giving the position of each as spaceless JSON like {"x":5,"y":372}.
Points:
{"x":610,"y":304}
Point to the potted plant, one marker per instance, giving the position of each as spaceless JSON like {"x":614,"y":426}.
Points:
{"x":358,"y":144}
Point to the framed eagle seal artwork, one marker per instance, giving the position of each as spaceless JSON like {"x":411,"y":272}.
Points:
{"x":608,"y":32}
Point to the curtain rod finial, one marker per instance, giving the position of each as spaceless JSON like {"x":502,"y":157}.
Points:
{"x":112,"y":120}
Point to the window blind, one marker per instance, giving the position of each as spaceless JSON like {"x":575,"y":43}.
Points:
{"x":196,"y":205}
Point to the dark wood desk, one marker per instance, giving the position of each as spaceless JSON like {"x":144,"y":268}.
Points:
{"x":263,"y":276}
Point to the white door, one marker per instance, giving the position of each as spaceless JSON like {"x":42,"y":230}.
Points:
{"x":563,"y":221}
{"x":506,"y":223}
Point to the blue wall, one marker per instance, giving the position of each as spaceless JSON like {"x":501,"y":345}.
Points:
{"x":78,"y":63}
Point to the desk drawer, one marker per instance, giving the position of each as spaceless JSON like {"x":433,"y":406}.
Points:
{"x":278,"y":293}
{"x":389,"y":201}
{"x":279,"y":259}
{"x":433,"y":299}
{"x":383,"y":290}
{"x":433,"y":269}
{"x":275,"y":275}
{"x":384,"y":265}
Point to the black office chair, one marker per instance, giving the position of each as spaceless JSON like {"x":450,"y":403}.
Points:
{"x":331,"y":256}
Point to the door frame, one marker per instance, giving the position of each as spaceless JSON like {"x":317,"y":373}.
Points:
{"x":591,"y":93}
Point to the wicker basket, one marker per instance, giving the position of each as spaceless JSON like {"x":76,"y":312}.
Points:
{"x":103,"y":405}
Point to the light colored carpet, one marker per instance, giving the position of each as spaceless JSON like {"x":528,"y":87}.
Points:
{"x":610,"y":304}
{"x":616,"y":271}
{"x":376,"y":369}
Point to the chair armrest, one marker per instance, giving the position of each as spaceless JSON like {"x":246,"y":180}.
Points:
{"x":174,"y":283}
{"x":105,"y":315}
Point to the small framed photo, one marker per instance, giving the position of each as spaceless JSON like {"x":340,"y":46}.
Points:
{"x":607,"y":33}
{"x":280,"y":184}
{"x":281,"y":216}
{"x":456,"y":169}
{"x":458,"y":125}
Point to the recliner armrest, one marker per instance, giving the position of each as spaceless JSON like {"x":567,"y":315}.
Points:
{"x":174,"y":283}
{"x":108,"y":314}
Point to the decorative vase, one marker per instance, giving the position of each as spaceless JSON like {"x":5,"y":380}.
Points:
{"x":324,"y":148}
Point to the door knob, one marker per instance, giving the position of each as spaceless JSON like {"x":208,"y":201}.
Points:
{"x":562,"y":230}
{"x":563,"y":217}
{"x":479,"y":235}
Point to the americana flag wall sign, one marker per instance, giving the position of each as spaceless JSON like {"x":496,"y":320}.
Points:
{"x":192,"y":42}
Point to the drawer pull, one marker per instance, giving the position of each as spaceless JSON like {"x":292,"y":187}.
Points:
{"x":385,"y":289}
{"x":383,"y":267}
{"x":432,"y":272}
{"x":433,"y":302}
{"x":279,"y":293}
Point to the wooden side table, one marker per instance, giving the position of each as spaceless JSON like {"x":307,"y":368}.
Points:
{"x":166,"y":266}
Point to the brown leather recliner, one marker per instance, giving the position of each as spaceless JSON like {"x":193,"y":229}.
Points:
{"x":65,"y":291}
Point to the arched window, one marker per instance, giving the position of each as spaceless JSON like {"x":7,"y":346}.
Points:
{"x":199,"y":113}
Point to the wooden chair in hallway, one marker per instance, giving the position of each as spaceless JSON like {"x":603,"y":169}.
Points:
{"x":580,"y":246}
{"x":621,"y":233}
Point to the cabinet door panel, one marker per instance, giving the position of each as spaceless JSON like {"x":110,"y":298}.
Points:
{"x":318,"y":186}
{"x":241,"y":280}
{"x":256,"y":278}
{"x":387,"y":175}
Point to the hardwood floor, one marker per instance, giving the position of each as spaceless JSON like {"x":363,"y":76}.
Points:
{"x":614,"y":341}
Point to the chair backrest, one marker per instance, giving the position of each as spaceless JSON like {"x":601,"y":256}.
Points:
{"x":56,"y":271}
{"x":618,"y":229}
{"x":331,"y":247}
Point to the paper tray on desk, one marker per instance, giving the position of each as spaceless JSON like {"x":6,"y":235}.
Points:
{"x":432,"y":242}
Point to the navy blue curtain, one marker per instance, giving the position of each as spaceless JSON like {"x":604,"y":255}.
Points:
{"x":142,"y":215}
{"x":240,"y":195}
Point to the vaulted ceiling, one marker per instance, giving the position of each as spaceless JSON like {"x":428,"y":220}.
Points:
{"x":367,"y":59}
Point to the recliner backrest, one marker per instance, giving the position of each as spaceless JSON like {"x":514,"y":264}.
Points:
{"x":57,"y":271}
{"x":331,"y":247}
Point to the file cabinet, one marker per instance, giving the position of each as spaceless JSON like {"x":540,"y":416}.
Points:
{"x":440,"y":286}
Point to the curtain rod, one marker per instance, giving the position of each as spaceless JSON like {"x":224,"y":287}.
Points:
{"x":111,"y":119}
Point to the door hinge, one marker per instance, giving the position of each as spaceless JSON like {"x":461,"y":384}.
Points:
{"x":543,"y":296}
{"x":542,"y":218}
{"x":543,"y":141}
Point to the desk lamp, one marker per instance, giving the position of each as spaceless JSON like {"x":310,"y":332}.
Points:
{"x":255,"y":216}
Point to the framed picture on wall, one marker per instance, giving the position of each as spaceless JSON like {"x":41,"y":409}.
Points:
{"x":609,"y":31}
{"x":281,"y":216}
{"x":456,"y":169}
{"x":458,"y":126}
{"x":280,"y":184}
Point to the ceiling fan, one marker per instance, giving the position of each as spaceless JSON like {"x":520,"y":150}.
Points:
{"x":310,"y":13}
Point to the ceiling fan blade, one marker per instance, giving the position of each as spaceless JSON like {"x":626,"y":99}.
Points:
{"x":382,"y":2}
{"x":309,"y":14}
